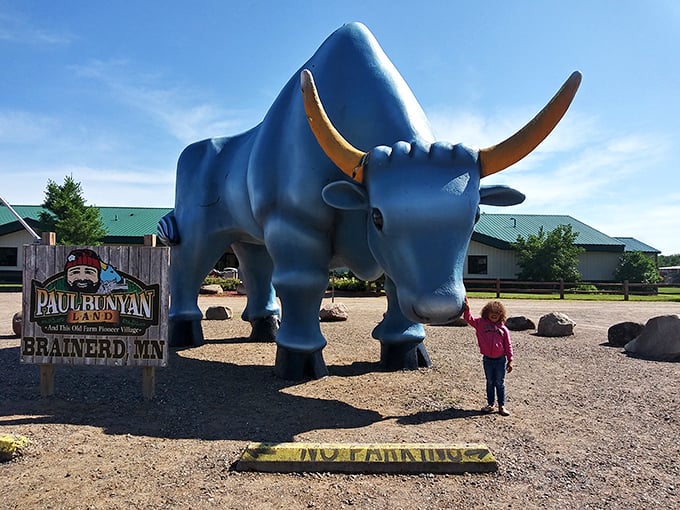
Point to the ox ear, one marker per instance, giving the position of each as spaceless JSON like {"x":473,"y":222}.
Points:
{"x":345,"y":195}
{"x":500,"y":195}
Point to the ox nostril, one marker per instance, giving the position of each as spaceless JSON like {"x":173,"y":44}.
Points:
{"x":440,"y":312}
{"x":443,"y":322}
{"x":422,"y":318}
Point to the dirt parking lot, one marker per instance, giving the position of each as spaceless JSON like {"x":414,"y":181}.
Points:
{"x":590,"y":427}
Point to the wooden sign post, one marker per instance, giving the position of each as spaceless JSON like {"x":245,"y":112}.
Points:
{"x":99,"y":305}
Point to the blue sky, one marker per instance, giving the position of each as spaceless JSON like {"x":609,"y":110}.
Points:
{"x":111,"y":92}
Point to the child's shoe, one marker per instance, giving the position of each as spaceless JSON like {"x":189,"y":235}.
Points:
{"x":503,"y":411}
{"x":487,"y":409}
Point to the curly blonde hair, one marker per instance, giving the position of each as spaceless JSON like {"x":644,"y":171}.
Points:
{"x":495,"y":306}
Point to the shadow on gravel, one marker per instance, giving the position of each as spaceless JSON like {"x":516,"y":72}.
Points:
{"x":195,"y":399}
{"x":230,"y":341}
{"x":451,"y":413}
{"x":355,"y":369}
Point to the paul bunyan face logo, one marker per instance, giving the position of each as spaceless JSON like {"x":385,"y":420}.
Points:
{"x":85,"y":272}
{"x":93,"y":294}
{"x":82,"y":278}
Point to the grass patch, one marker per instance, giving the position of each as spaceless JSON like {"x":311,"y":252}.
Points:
{"x":666,"y":294}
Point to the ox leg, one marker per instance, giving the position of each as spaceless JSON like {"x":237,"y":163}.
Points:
{"x":401,"y":340}
{"x":190,"y":262}
{"x":300,"y":278}
{"x":262,"y":310}
{"x":299,"y":343}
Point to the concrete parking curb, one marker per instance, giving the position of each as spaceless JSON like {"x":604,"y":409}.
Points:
{"x":368,"y":458}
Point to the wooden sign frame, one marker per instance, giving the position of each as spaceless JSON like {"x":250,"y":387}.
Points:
{"x":123,"y":321}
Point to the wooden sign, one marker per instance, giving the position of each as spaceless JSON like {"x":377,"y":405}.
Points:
{"x":99,"y":305}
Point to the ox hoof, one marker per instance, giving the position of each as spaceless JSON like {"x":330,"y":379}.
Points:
{"x":299,"y":366}
{"x":404,"y":356}
{"x":264,"y":329}
{"x":185,"y":333}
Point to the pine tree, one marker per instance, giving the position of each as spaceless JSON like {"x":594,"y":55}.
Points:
{"x":66,"y":214}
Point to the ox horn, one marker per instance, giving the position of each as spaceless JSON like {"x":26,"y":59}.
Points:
{"x":346,"y":157}
{"x":499,"y":157}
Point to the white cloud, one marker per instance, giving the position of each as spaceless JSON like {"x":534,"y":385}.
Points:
{"x":476,"y":130}
{"x":112,"y":186}
{"x":654,"y":223}
{"x":145,"y":187}
{"x":181,"y":112}
{"x":15,"y":29}
{"x":19,"y":127}
{"x":621,"y":183}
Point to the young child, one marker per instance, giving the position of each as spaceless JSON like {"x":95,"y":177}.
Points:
{"x":493,"y":338}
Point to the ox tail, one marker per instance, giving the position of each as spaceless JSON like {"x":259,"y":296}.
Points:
{"x":168,"y":232}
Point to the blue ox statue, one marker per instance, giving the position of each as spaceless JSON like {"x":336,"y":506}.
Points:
{"x":293,"y":202}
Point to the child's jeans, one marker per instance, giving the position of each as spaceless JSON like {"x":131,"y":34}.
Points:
{"x":494,"y":370}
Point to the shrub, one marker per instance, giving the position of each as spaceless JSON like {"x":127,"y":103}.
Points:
{"x":225,"y":283}
{"x":348,"y":283}
{"x":549,"y":257}
{"x":636,"y":267}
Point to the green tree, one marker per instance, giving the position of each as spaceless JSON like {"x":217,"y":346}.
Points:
{"x":549,"y":257}
{"x":66,"y":214}
{"x":669,"y":260}
{"x":636,"y":267}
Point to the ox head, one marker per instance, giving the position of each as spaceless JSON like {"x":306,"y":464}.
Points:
{"x":422,"y":200}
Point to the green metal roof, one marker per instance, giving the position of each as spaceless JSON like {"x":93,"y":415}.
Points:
{"x":9,"y":223}
{"x":121,"y":223}
{"x":633,"y":244}
{"x":131,"y":221}
{"x":500,"y":230}
{"x":25,"y":211}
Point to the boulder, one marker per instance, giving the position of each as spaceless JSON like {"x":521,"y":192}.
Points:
{"x":658,"y":340}
{"x":211,"y":289}
{"x":333,"y":312}
{"x":520,"y":323}
{"x":555,"y":324}
{"x":17,"y":323}
{"x":218,"y":313}
{"x":623,"y":332}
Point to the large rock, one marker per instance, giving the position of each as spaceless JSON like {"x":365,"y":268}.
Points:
{"x":218,"y":313}
{"x":333,"y":312}
{"x":620,"y":334}
{"x":658,"y":340}
{"x":17,"y":323}
{"x":520,"y":323}
{"x":211,"y":289}
{"x":555,"y":324}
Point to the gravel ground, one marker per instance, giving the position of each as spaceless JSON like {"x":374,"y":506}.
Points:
{"x":590,"y":427}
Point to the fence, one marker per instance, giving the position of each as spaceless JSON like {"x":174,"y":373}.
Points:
{"x":625,"y":288}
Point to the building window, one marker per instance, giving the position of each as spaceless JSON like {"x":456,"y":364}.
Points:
{"x":8,"y":256}
{"x":477,"y":264}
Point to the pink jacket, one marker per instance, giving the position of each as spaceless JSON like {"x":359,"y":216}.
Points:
{"x":493,"y":338}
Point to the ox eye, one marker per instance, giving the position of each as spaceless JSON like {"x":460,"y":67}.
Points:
{"x":377,"y":218}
